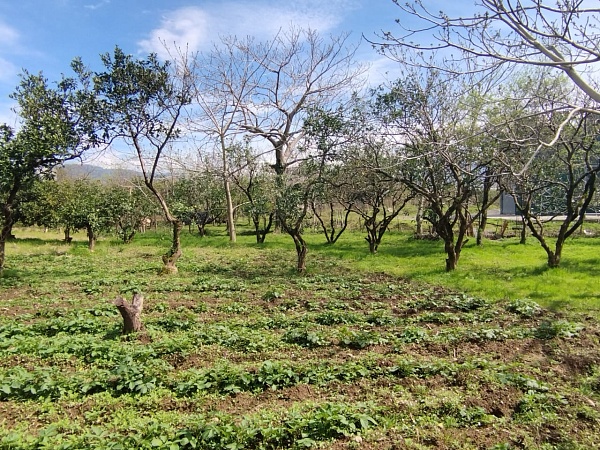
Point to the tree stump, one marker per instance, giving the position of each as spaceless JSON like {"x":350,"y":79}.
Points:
{"x":131,"y":313}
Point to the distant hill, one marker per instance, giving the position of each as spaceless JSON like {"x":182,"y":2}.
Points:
{"x":91,"y":172}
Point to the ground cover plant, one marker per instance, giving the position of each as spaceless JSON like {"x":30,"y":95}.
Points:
{"x":239,"y":351}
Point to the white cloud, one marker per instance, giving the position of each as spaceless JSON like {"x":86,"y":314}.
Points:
{"x":8,"y":70}
{"x":183,"y":27}
{"x":7,"y":115}
{"x":8,"y":35}
{"x":9,"y":40}
{"x":112,"y":157}
{"x":382,"y":70}
{"x":197,"y":28}
{"x":97,"y":5}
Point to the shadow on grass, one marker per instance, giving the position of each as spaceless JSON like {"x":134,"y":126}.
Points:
{"x":400,"y":247}
{"x":13,"y":277}
{"x":558,"y":305}
{"x":589,"y":266}
{"x":268,"y":264}
{"x":38,"y":241}
{"x":508,"y":273}
{"x":114,"y":334}
{"x":587,"y":241}
{"x":11,"y":274}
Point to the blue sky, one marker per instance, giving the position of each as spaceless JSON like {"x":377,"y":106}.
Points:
{"x":45,"y":35}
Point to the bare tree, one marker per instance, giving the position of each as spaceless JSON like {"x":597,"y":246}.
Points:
{"x":332,"y":202}
{"x":433,"y":123}
{"x":376,"y":197}
{"x":256,"y":183}
{"x":556,"y":181}
{"x":302,"y":70}
{"x":563,"y":35}
{"x":226,"y":83}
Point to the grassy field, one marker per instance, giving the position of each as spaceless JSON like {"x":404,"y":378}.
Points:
{"x":502,"y":269}
{"x":238,"y":351}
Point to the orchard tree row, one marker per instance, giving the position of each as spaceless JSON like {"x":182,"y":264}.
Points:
{"x":291,"y":125}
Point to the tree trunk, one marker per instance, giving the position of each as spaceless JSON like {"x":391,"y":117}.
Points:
{"x":262,"y":234}
{"x":7,"y":220}
{"x":554,"y":257}
{"x":453,"y":255}
{"x":2,"y":250}
{"x":523,"y":239}
{"x":553,"y":260}
{"x":9,"y":233}
{"x":373,"y":241}
{"x":230,"y":217}
{"x":91,"y":238}
{"x":171,"y":257}
{"x":2,"y":253}
{"x":128,"y":236}
{"x":5,"y":233}
{"x":301,"y":250}
{"x":131,"y":313}
{"x":317,"y":216}
{"x":68,"y":237}
{"x":7,"y":226}
{"x":419,"y":216}
{"x":260,"y":238}
{"x":201,"y":229}
{"x":373,"y":247}
{"x":481,"y":228}
{"x":503,"y":228}
{"x":485,"y":203}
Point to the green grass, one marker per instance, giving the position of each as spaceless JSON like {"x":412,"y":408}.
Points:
{"x":497,"y":270}
{"x":502,"y":269}
{"x":239,"y":351}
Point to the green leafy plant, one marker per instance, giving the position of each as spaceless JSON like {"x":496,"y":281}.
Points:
{"x":411,"y":335}
{"x":305,"y":338}
{"x":524,"y":307}
{"x":380,"y":317}
{"x":559,"y":328}
{"x":359,"y":339}
{"x":272,"y":295}
{"x":334,"y":317}
{"x":173,"y":322}
{"x":129,"y":377}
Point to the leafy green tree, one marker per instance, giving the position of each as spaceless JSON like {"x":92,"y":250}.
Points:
{"x":350,"y":139}
{"x":333,"y":134}
{"x":51,"y":204}
{"x":143,"y":101}
{"x":94,"y":210}
{"x":57,"y":124}
{"x":199,"y":198}
{"x":332,"y":202}
{"x":376,"y":197}
{"x":42,"y":206}
{"x":72,"y":205}
{"x":130,"y":206}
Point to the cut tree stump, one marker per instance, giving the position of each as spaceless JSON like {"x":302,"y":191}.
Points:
{"x":131,"y":313}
